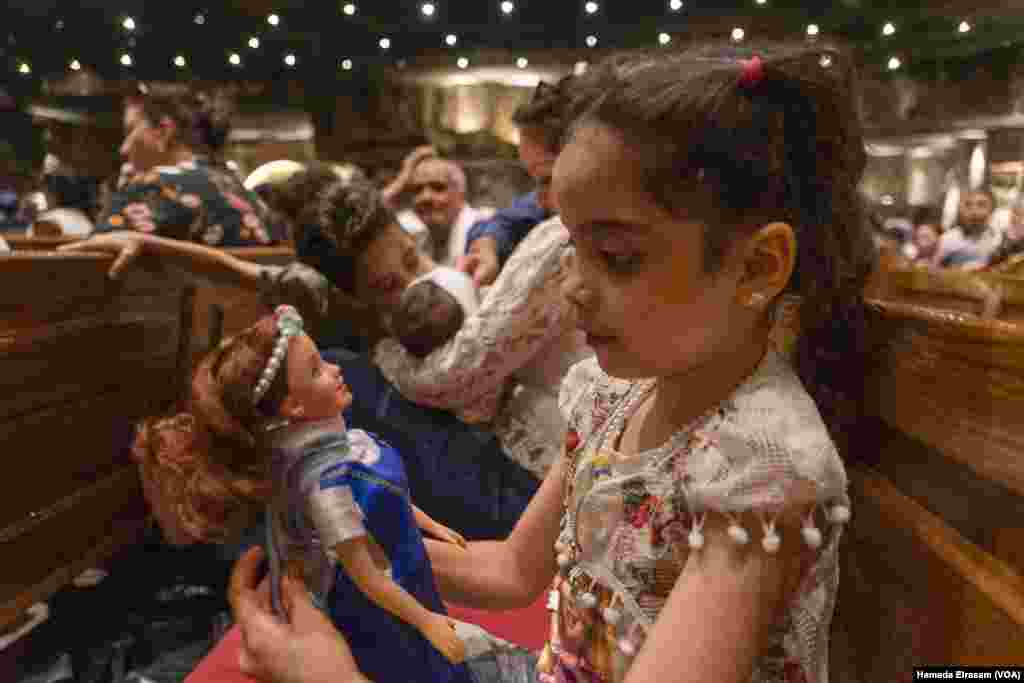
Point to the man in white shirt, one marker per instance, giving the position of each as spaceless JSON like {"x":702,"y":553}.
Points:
{"x":440,"y":218}
{"x":970,"y":244}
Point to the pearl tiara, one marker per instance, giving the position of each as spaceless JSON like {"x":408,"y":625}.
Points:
{"x":289,"y":324}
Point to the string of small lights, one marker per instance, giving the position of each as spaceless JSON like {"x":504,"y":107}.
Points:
{"x":340,"y":39}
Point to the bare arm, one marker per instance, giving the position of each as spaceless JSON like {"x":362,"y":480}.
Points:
{"x":393,"y":191}
{"x":511,"y":573}
{"x":354,"y":556}
{"x":191,"y":259}
{"x":725,"y":601}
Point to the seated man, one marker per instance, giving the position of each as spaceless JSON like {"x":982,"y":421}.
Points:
{"x":970,"y":244}
{"x":441,"y":217}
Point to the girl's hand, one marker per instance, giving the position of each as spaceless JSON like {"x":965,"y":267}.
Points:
{"x":307,"y":649}
{"x":125,"y":245}
{"x":440,"y":631}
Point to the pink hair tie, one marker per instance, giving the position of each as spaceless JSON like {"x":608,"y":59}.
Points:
{"x":753,"y":72}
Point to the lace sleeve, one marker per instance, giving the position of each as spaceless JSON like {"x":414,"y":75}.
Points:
{"x":521,"y":314}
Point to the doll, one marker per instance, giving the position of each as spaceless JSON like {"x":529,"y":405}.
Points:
{"x":264,"y":429}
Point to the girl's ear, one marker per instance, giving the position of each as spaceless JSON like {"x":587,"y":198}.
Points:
{"x":769,"y":258}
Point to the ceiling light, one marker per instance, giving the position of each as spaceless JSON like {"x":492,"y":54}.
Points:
{"x":128,"y":23}
{"x":964,"y":27}
{"x":346,"y":64}
{"x":385,"y":43}
{"x":179,"y":61}
{"x":289,"y":59}
{"x":75,"y":65}
{"x":888,"y":29}
{"x":349,"y":8}
{"x":813,"y":30}
{"x":894,"y":63}
{"x":522,"y":62}
{"x":199,"y":19}
{"x":273,"y":19}
{"x":235,"y":59}
{"x":24,"y":68}
{"x":254,"y":42}
{"x":675,"y":5}
{"x":590,"y":7}
{"x":508,"y":7}
{"x":126,"y":59}
{"x":451,"y":39}
{"x":591,"y":41}
{"x":664,"y":39}
{"x":462,"y":62}
{"x":738,"y":34}
{"x":428,"y":9}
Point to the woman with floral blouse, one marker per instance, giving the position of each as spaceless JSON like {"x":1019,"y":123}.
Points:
{"x":175,"y":190}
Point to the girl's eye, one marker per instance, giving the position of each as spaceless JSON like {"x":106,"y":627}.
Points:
{"x":619,"y":262}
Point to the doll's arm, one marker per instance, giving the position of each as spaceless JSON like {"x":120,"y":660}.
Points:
{"x":432,"y":527}
{"x":354,"y":556}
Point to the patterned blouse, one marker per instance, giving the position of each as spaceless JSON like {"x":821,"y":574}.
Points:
{"x":506,"y":363}
{"x":195,"y":201}
{"x":630,"y":523}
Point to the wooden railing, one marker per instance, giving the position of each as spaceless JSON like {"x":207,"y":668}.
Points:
{"x":931,"y":564}
{"x":82,"y":358}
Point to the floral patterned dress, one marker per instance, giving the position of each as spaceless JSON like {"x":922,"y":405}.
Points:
{"x":195,"y":201}
{"x":630,"y":523}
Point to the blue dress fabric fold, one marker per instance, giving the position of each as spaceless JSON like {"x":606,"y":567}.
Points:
{"x":333,"y":485}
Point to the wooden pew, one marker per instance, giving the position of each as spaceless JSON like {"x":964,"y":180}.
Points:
{"x":931,"y":571}
{"x":82,"y":358}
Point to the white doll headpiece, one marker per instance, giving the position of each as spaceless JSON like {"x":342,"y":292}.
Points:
{"x":289,"y":324}
{"x":456,"y":283}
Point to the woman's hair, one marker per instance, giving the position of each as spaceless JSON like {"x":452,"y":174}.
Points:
{"x":427,"y":317}
{"x":203,"y":121}
{"x":551,"y":109}
{"x":737,"y":143}
{"x":210,"y":460}
{"x":333,"y":220}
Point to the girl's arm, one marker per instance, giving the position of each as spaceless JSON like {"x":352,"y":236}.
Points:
{"x":432,"y":527}
{"x":511,"y":573}
{"x":354,"y":556}
{"x":725,"y":600}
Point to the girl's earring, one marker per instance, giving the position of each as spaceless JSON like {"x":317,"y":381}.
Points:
{"x":756,"y":300}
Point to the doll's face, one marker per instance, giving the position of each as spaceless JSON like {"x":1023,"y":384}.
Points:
{"x":316,"y":389}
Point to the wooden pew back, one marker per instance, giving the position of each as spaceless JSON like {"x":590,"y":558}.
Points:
{"x":930,"y":571}
{"x":81,"y":359}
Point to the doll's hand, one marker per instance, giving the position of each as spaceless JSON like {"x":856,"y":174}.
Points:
{"x":440,"y":631}
{"x":443,"y":533}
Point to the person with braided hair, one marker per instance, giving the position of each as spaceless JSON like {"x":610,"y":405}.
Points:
{"x":178,"y":188}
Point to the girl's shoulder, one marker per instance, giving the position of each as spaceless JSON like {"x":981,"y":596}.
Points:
{"x":765,"y":447}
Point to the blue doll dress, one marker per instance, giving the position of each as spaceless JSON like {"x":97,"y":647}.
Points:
{"x":333,"y":485}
